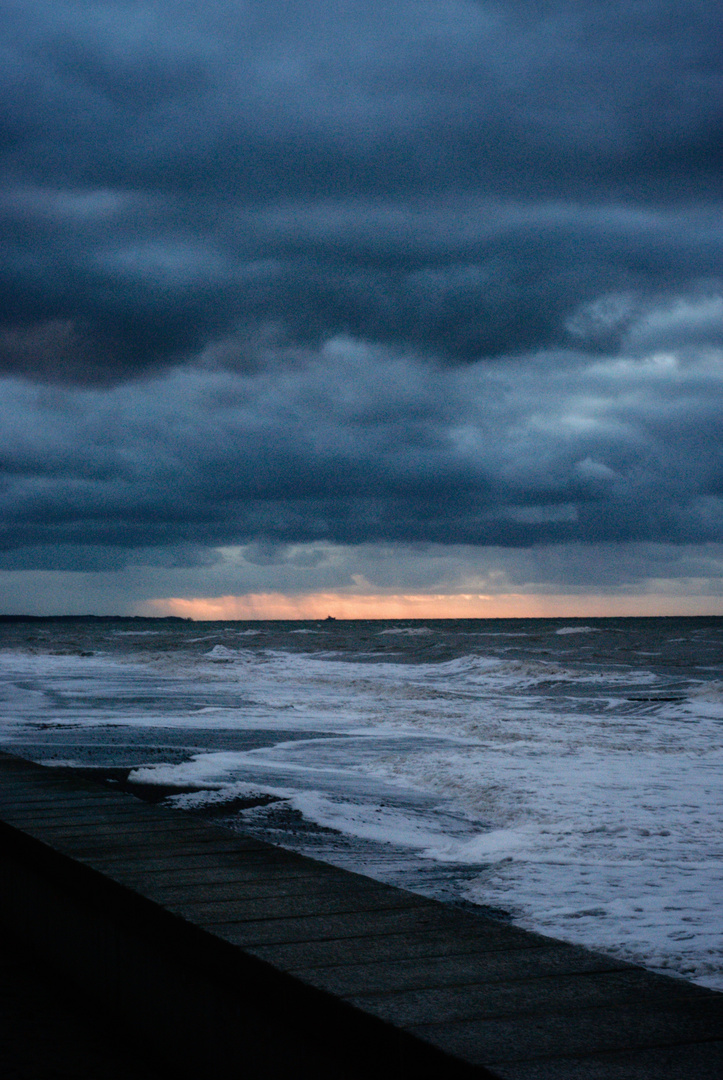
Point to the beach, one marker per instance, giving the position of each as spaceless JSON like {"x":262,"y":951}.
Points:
{"x":214,"y":953}
{"x":561,"y":774}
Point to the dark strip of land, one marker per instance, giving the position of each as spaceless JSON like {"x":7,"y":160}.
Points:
{"x":220,"y":952}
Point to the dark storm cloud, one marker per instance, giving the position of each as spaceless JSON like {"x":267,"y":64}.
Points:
{"x":431,"y":271}
{"x":454,"y":176}
{"x":353,"y":445}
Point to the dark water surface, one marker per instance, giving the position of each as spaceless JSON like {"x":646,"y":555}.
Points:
{"x":566,"y":771}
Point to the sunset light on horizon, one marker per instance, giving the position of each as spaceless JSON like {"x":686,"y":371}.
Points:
{"x":463,"y":606}
{"x":372,"y":310}
{"x":361,"y":495}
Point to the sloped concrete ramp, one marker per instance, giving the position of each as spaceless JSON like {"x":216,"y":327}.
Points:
{"x":227,"y":956}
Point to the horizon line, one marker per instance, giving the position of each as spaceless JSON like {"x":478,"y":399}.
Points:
{"x":7,"y":616}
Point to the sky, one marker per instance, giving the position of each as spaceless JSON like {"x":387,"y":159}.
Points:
{"x":401,"y":309}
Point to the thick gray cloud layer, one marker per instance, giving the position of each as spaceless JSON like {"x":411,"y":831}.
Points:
{"x":352,"y":444}
{"x":457,"y":176}
{"x":433,"y":271}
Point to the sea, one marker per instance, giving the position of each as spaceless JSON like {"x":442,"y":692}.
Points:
{"x":562,"y":774}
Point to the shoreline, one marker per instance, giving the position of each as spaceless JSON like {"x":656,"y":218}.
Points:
{"x":196,"y":936}
{"x":525,"y":758}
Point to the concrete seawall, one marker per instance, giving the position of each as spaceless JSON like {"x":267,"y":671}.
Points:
{"x":222,"y":953}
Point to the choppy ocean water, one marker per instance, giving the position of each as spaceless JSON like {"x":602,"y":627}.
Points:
{"x":564,"y":773}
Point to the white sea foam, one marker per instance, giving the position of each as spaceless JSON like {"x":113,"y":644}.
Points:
{"x":222,"y":652}
{"x":577,"y":791}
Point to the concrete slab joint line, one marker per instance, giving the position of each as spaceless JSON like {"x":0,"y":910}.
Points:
{"x":221,"y":953}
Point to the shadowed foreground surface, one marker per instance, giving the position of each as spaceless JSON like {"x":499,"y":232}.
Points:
{"x":48,"y":1031}
{"x":224,"y":954}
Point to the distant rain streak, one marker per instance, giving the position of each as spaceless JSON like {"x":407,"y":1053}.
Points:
{"x":368,"y":322}
{"x":308,"y":300}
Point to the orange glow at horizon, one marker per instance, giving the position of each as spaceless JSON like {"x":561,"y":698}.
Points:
{"x":425,"y":606}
